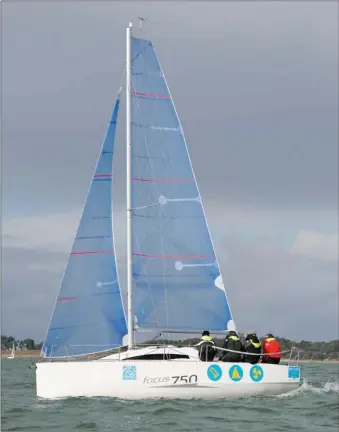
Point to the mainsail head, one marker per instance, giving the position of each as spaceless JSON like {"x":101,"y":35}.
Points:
{"x":177,"y":280}
{"x":88,"y":316}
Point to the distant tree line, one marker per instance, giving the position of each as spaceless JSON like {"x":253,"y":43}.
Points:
{"x":29,"y":344}
{"x":308,"y":350}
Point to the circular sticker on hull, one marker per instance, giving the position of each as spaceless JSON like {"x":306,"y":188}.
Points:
{"x":214,"y":372}
{"x":236,"y":373}
{"x":256,"y":373}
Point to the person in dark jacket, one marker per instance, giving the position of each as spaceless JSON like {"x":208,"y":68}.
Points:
{"x":206,"y":347}
{"x":232,"y":342}
{"x":253,"y":346}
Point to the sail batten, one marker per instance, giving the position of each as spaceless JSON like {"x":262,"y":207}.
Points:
{"x":88,"y":316}
{"x":177,"y":280}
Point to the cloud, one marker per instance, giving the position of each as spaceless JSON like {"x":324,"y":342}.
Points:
{"x":30,"y":283}
{"x":264,"y":116}
{"x":273,"y":290}
{"x":261,"y":127}
{"x":40,"y":267}
{"x":314,"y":245}
{"x":291,"y":291}
{"x":53,"y":233}
{"x":50,"y":233}
{"x":56,"y":232}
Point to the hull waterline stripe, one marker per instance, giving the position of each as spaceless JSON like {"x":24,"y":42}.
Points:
{"x":173,"y":256}
{"x":93,"y":252}
{"x":163,"y":180}
{"x":151,"y":95}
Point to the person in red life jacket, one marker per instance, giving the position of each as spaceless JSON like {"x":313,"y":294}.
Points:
{"x":270,"y":347}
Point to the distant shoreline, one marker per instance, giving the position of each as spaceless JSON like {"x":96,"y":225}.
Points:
{"x":311,"y":361}
{"x":36,"y":353}
{"x":22,"y":354}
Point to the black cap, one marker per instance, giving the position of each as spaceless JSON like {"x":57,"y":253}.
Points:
{"x":251,"y":334}
{"x":205,"y":333}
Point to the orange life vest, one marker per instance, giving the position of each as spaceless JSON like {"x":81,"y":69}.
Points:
{"x":271,"y":346}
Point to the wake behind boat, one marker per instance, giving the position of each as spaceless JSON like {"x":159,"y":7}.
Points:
{"x":174,"y":280}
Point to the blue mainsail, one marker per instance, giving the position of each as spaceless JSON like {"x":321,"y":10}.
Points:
{"x":177,"y":281}
{"x":88,"y":316}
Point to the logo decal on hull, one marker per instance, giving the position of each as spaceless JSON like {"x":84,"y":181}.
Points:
{"x":294,"y":372}
{"x":214,"y":372}
{"x":129,"y":372}
{"x":256,"y":373}
{"x":236,"y":373}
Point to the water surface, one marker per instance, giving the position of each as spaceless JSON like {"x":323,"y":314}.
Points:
{"x":313,"y":407}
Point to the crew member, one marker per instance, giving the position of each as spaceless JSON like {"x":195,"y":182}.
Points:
{"x":270,"y":348}
{"x":253,"y":346}
{"x":206,"y":347}
{"x":232,"y":342}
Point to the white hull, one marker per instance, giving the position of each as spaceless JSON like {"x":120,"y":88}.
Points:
{"x":142,"y":379}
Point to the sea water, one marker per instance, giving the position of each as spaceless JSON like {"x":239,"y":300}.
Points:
{"x":313,"y":407}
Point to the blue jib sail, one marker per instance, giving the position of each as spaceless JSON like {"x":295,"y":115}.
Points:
{"x":177,"y":281}
{"x":88,"y":316}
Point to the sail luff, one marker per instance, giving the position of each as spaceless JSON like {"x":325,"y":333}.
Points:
{"x":112,"y":202}
{"x":130,"y":323}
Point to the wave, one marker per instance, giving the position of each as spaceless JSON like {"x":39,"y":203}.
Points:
{"x":331,"y":386}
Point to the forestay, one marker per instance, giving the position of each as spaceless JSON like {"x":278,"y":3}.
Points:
{"x":177,"y":281}
{"x":88,"y":315}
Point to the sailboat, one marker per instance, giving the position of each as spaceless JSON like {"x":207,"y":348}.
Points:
{"x":12,"y":356}
{"x":174,"y":284}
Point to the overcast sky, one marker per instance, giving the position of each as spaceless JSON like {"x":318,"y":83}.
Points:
{"x":256,"y":88}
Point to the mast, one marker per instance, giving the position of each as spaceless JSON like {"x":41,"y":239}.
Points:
{"x":130,"y":323}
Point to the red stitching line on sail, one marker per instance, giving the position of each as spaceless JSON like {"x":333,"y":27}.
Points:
{"x":163,"y":180}
{"x":173,"y":256}
{"x":66,"y":298}
{"x":160,"y":96}
{"x":93,"y":252}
